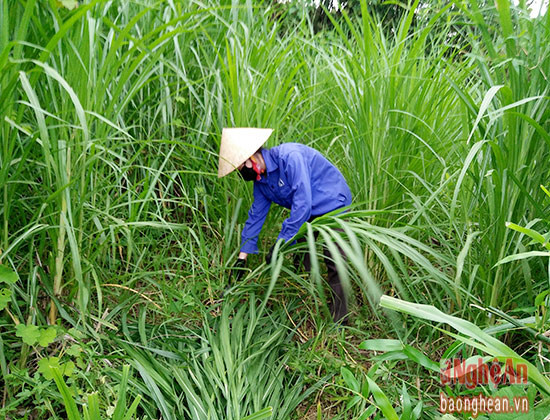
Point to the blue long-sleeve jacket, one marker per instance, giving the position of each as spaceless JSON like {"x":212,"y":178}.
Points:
{"x":300,"y":179}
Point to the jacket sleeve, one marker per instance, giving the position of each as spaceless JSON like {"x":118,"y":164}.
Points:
{"x":299,"y":177}
{"x":256,"y":218}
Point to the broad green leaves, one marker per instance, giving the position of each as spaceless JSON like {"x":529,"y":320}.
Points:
{"x":47,"y":336}
{"x":369,"y":387}
{"x":536,"y":237}
{"x":9,"y":277}
{"x":5,"y":297}
{"x":75,"y":350}
{"x":533,"y":234}
{"x":31,"y":335}
{"x":396,"y":350}
{"x":264,"y":414}
{"x":470,"y":334}
{"x":91,"y":410}
{"x":46,"y":365}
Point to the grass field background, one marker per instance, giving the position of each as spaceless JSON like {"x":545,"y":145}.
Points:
{"x":117,"y":238}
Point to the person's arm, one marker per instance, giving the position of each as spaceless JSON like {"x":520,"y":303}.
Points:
{"x":299,"y":177}
{"x":253,"y":226}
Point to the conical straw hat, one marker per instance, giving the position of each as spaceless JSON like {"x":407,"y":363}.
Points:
{"x":237,"y":145}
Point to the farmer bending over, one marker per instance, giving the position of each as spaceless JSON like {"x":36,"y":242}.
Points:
{"x":293,"y":176}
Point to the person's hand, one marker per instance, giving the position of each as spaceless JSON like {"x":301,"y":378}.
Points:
{"x":237,"y":272}
{"x":269,"y":255}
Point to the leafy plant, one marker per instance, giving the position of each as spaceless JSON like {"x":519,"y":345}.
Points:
{"x":471,"y":335}
{"x":233,"y":366}
{"x":8,"y":277}
{"x":536,"y":237}
{"x":31,"y":334}
{"x":91,"y":409}
{"x":382,"y":407}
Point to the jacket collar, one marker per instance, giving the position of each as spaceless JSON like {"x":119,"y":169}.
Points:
{"x":270,"y":161}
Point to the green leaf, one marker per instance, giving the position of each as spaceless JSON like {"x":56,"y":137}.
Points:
{"x":5,"y":298}
{"x":74,"y":350}
{"x":418,"y":357}
{"x":45,"y":366}
{"x":7,"y":275}
{"x":47,"y":336}
{"x":68,"y":368}
{"x":68,"y":399}
{"x":368,"y":413}
{"x":539,"y":300}
{"x":93,"y":406}
{"x":73,"y":332}
{"x":522,"y":256}
{"x":353,"y":401}
{"x":264,"y":414}
{"x":381,"y":345}
{"x":472,"y":335}
{"x":80,"y":363}
{"x":417,"y":410}
{"x":483,"y":107}
{"x":120,"y":407}
{"x":349,"y":379}
{"x":29,"y":333}
{"x":382,"y":401}
{"x":406,"y":403}
{"x":533,"y":234}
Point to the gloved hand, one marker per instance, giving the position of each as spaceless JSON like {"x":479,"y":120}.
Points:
{"x":299,"y":261}
{"x":269,"y":255}
{"x":237,"y":273}
{"x":238,"y":269}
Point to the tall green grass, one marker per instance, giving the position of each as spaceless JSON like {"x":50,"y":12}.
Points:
{"x":452,"y":138}
{"x":508,"y":141}
{"x":233,"y":366}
